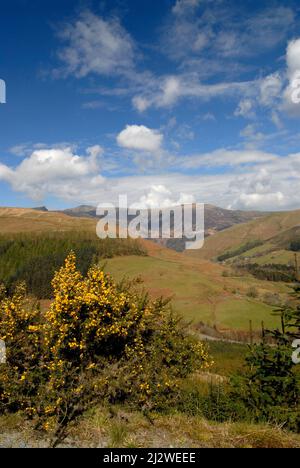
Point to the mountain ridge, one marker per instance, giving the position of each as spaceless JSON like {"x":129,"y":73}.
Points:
{"x":216,"y":218}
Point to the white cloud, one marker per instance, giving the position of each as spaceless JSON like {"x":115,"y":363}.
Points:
{"x":293,"y":73}
{"x":258,"y":193}
{"x":19,"y":150}
{"x":254,"y":137}
{"x":140,"y":138}
{"x":223,"y":157}
{"x":181,"y":6}
{"x":271,"y":89}
{"x":57,"y":172}
{"x":259,"y":201}
{"x":247,"y":179}
{"x":293,"y":57}
{"x":217,"y":29}
{"x":209,"y":116}
{"x":276,"y":120}
{"x":95,"y":152}
{"x":245,"y":109}
{"x":159,"y":196}
{"x":95,"y":45}
{"x":169,"y":90}
{"x":140,"y":103}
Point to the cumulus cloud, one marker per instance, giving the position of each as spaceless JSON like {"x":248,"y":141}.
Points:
{"x":140,"y":138}
{"x":259,"y":201}
{"x":292,"y":92}
{"x":293,"y":57}
{"x":258,"y":192}
{"x":57,"y":172}
{"x":248,"y":179}
{"x":96,"y":45}
{"x":159,"y":196}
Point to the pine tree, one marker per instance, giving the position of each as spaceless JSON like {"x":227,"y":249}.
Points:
{"x":272,"y":387}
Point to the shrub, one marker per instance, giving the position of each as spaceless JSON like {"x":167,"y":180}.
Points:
{"x":99,"y":341}
{"x":271,"y":387}
{"x":20,"y":328}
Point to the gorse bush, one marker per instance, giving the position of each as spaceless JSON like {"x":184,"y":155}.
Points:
{"x":99,"y":341}
{"x":20,"y":328}
{"x":34,"y":258}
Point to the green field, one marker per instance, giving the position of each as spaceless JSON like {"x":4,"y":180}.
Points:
{"x":196,"y":294}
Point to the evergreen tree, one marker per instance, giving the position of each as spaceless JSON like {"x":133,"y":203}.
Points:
{"x":272,"y":387}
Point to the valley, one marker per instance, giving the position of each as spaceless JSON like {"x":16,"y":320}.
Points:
{"x":201,"y":289}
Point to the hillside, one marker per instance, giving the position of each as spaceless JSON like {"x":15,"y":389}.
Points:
{"x":262,"y":229}
{"x":199,"y":290}
{"x":13,"y":220}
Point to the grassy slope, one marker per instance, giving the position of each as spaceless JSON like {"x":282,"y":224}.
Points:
{"x":259,"y":229}
{"x":14,"y":220}
{"x":198,"y":289}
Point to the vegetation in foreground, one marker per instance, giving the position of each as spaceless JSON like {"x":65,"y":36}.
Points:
{"x":126,"y":428}
{"x":98,"y":342}
{"x":106,"y":345}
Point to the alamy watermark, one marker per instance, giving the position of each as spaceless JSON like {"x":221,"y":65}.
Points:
{"x":2,"y":92}
{"x":184,"y":222}
{"x":295,"y":87}
{"x":296,"y":353}
{"x":2,"y":352}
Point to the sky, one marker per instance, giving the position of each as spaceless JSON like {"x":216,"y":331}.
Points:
{"x":165,"y":101}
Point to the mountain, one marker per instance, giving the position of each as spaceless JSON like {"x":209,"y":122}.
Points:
{"x":82,"y":211}
{"x":15,"y":220}
{"x":216,"y":219}
{"x":40,"y":208}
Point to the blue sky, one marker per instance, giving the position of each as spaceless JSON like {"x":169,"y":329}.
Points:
{"x":166,"y":101}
